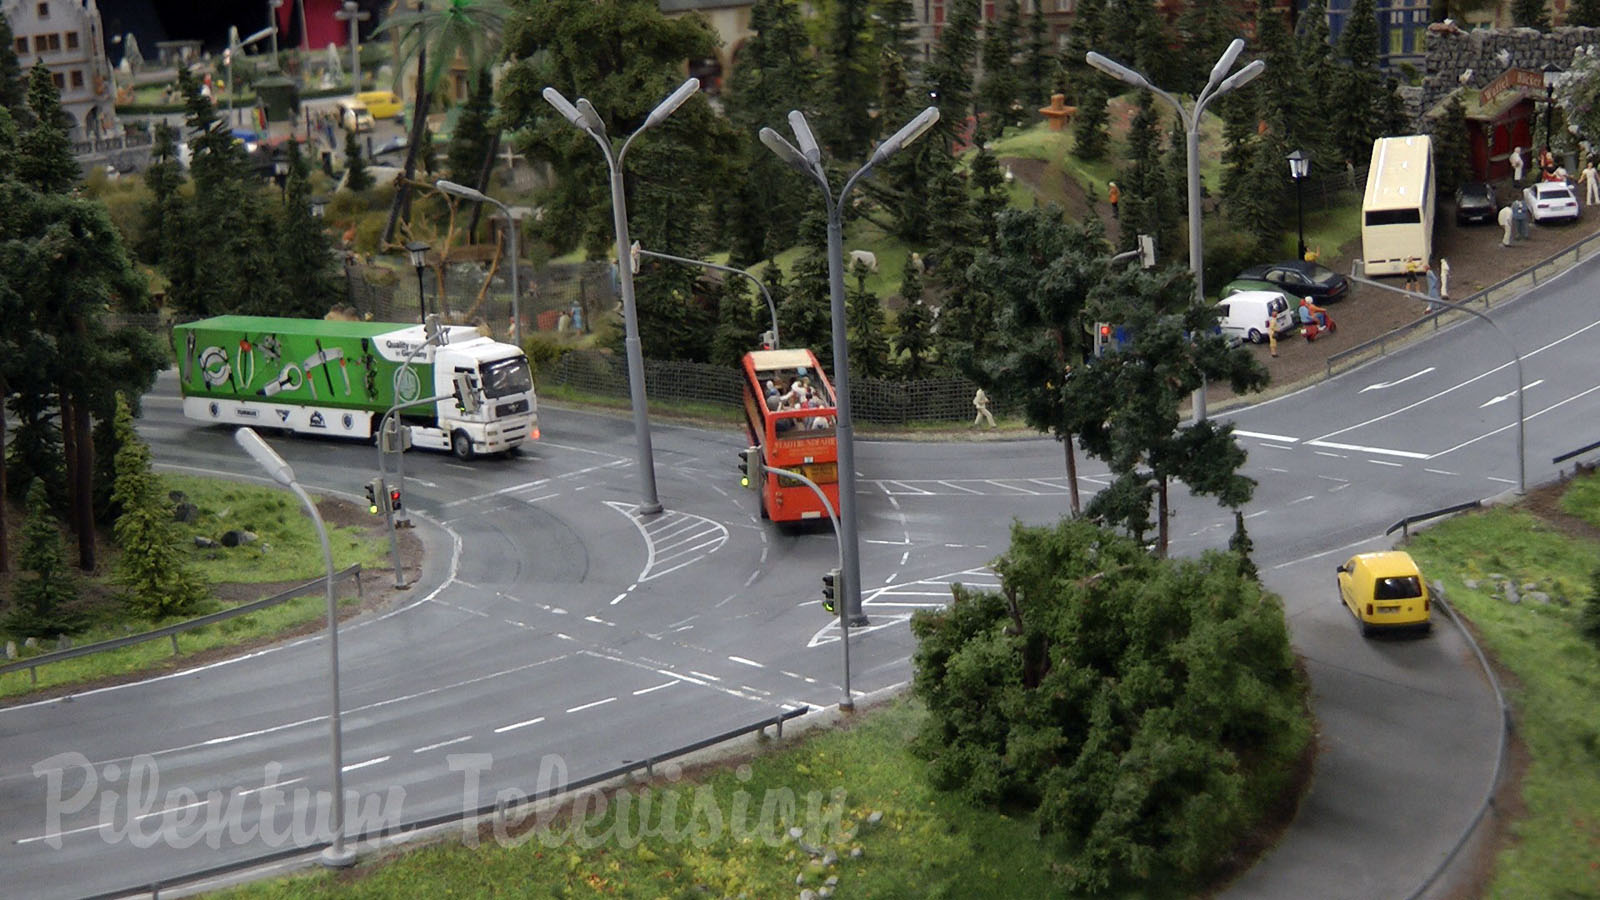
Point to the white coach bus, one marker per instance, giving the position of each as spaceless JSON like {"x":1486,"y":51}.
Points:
{"x":1397,"y":212}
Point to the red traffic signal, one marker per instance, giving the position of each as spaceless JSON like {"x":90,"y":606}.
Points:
{"x":394,"y":498}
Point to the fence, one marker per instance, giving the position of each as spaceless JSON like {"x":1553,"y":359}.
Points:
{"x":1491,"y":296}
{"x":33,"y":663}
{"x":873,"y":401}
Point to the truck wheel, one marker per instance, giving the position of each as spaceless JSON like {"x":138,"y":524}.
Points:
{"x":462,"y":445}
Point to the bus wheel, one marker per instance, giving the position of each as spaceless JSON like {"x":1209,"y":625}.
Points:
{"x":461,"y":445}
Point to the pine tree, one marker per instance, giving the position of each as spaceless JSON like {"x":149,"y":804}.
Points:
{"x":1530,"y":14}
{"x":1451,"y":147}
{"x":849,"y":81}
{"x":1579,"y":12}
{"x":469,"y":144}
{"x":1039,"y":65}
{"x":1256,"y":209}
{"x":303,"y":252}
{"x":738,"y":323}
{"x":1362,"y":107}
{"x":999,"y":89}
{"x":13,"y":90}
{"x":357,"y":178}
{"x":869,"y":342}
{"x":914,"y":338}
{"x":42,"y":594}
{"x":163,"y":214}
{"x":949,"y":75}
{"x":1085,"y":36}
{"x":1205,"y":28}
{"x":44,"y":152}
{"x":1090,"y":133}
{"x":989,"y":183}
{"x":157,"y":581}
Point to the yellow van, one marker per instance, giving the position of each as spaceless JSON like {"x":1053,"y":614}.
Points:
{"x":382,"y":104}
{"x":1385,"y":591}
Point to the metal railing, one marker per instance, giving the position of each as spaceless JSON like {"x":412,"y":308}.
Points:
{"x":499,"y":809}
{"x":1501,"y":291}
{"x":172,"y":631}
{"x":1404,"y":525}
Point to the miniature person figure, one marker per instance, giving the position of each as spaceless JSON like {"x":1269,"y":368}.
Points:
{"x":1433,"y":285}
{"x":1591,"y":184}
{"x":980,"y":400}
{"x":1516,"y":165}
{"x":1114,"y":195}
{"x":1312,"y":313}
{"x":1547,"y":160}
{"x":1272,"y":338}
{"x":1506,"y":224}
{"x":1413,"y":267}
{"x":1519,"y":214}
{"x":1444,"y":279}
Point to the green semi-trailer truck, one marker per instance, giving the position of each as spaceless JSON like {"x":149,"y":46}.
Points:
{"x":339,"y":378}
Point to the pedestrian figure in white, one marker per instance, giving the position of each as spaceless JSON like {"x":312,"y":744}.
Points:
{"x":1516,"y":165}
{"x":981,"y":401}
{"x":1591,"y":184}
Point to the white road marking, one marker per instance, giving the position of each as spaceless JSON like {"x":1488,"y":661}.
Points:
{"x":1384,"y":462}
{"x":704,"y":675}
{"x":1503,"y":397}
{"x":591,"y":705}
{"x":599,"y":621}
{"x":1441,"y":472}
{"x":1334,"y":455}
{"x":1357,"y":448}
{"x":1389,"y":384}
{"x":1260,"y":435}
{"x":1501,"y":480}
{"x":1530,"y":417}
{"x":1301,"y":500}
{"x":1276,"y":447}
{"x":465,"y":737}
{"x":747,"y":662}
{"x":248,"y":791}
{"x":515,"y":725}
{"x":664,"y":684}
{"x":905,"y":556}
{"x":1254,"y":514}
{"x":959,"y":487}
{"x":362,"y":765}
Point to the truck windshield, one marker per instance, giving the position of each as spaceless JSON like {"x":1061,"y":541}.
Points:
{"x":507,"y":376}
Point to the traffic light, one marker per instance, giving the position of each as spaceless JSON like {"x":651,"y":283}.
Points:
{"x":375,"y":496}
{"x":768,"y":339}
{"x":750,"y":465}
{"x":830,"y":585}
{"x":466,"y":393}
{"x":394,"y":499}
{"x":1102,"y":337}
{"x":435,"y":331}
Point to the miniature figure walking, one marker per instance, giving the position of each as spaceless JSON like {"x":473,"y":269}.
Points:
{"x":1272,"y":338}
{"x":1591,"y":183}
{"x":980,"y":400}
{"x":1114,"y":194}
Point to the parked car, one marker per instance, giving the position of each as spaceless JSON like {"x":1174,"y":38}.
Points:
{"x":1244,"y":315}
{"x":1384,"y":591}
{"x":382,"y":104}
{"x":1240,"y":285}
{"x":354,"y":116}
{"x":1302,"y":279}
{"x":1551,"y":201}
{"x":1475,"y":202}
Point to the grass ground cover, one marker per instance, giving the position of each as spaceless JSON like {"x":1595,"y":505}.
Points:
{"x":1556,"y":681}
{"x":287,"y":550}
{"x":927,"y":844}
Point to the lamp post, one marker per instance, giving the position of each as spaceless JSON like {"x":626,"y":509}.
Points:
{"x":1551,"y":75}
{"x":1299,"y":168}
{"x":272,"y":23}
{"x":849,"y":702}
{"x":461,"y":190}
{"x":319,"y":207}
{"x":419,"y":261}
{"x":772,"y":308}
{"x":351,"y":12}
{"x":584,"y":116}
{"x":336,"y":855}
{"x":807,"y":159}
{"x":1218,"y":84}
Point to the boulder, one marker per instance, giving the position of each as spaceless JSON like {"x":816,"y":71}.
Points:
{"x":205,"y":543}
{"x":186,"y":513}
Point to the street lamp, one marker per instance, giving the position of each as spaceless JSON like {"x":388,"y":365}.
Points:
{"x":1552,"y":73}
{"x":419,"y":261}
{"x":336,"y":856}
{"x":584,"y":116}
{"x":1299,"y":168}
{"x":319,"y":207}
{"x":351,"y":12}
{"x":1218,"y":84}
{"x":461,"y":190}
{"x":807,"y":159}
{"x":772,"y":308}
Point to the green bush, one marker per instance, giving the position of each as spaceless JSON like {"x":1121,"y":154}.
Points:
{"x":1228,"y":252}
{"x":544,"y":352}
{"x":1150,"y":710}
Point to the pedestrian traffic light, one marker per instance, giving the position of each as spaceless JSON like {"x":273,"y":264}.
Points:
{"x":750,"y":466}
{"x":830,"y":585}
{"x":394,"y":499}
{"x":768,"y":339}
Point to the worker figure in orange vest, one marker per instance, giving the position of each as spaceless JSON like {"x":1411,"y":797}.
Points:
{"x":1114,"y":194}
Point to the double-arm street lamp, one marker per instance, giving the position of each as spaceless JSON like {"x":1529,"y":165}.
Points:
{"x":336,"y":855}
{"x":461,"y":190}
{"x":584,"y":116}
{"x":1218,"y":84}
{"x":1299,"y":168}
{"x":807,"y":159}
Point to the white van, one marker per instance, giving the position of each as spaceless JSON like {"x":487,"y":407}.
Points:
{"x":1244,"y":315}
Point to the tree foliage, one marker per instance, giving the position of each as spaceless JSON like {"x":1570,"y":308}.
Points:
{"x":1531,"y":14}
{"x":45,"y":589}
{"x":844,"y":118}
{"x":1452,"y":148}
{"x":13,"y":91}
{"x":913,"y":338}
{"x":1583,"y":12}
{"x":869,"y":342}
{"x":44,"y":151}
{"x":156,"y":579}
{"x":1001,"y":86}
{"x":1149,"y":710}
{"x":1090,"y":134}
{"x":303,"y":253}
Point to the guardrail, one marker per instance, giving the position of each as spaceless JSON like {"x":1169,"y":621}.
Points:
{"x":1404,"y":525}
{"x":498,"y":809}
{"x":172,"y":631}
{"x":1499,"y":292}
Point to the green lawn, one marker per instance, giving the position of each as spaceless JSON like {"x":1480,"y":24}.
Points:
{"x":1555,"y":685}
{"x":927,"y":844}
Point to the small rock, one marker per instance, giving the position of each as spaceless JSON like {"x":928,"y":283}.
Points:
{"x":830,"y":858}
{"x":204,"y":543}
{"x":808,"y":894}
{"x":825,"y":892}
{"x":833,"y":881}
{"x":248,"y":537}
{"x":11,"y":649}
{"x":800,"y":879}
{"x":796,"y":832}
{"x":177,"y":497}
{"x":1511,"y":593}
{"x":1496,"y":576}
{"x":63,"y":642}
{"x":1539,"y":597}
{"x":31,"y":644}
{"x":857,"y":853}
{"x":875,"y":817}
{"x":1530,"y":586}
{"x":232,"y":538}
{"x":1470,"y":584}
{"x":186,"y":513}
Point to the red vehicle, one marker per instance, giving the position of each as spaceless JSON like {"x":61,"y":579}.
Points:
{"x":790,"y":420}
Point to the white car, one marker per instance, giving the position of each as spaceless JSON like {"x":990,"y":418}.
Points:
{"x":1550,"y":201}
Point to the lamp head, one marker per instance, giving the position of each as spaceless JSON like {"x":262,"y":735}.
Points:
{"x":1299,"y":165}
{"x":1115,"y":69}
{"x":419,"y":253}
{"x":460,"y":190}
{"x":1229,"y":57}
{"x":786,"y":151}
{"x":591,"y":119}
{"x":1242,"y":77}
{"x":803,"y":136}
{"x":567,"y":110}
{"x":673,"y":101}
{"x":908,"y":133}
{"x":264,"y":455}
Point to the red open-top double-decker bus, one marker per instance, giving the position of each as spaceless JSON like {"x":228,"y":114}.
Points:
{"x":790,"y":417}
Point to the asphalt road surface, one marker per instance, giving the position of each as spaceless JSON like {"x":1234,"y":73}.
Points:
{"x":555,"y":635}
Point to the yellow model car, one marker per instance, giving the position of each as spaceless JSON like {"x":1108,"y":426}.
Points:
{"x":1385,"y":591}
{"x":382,"y":104}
